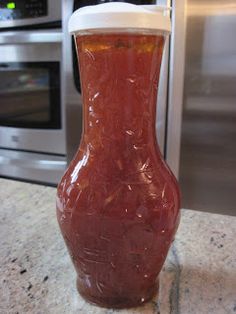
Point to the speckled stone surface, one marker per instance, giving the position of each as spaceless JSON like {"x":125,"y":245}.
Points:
{"x":37,"y":276}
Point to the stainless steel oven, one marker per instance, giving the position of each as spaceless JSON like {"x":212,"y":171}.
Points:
{"x":31,"y":112}
{"x":32,"y":103}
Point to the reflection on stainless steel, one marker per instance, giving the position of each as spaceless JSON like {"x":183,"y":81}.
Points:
{"x":207,"y":8}
{"x":29,"y":162}
{"x":41,"y":36}
{"x":42,"y":167}
{"x":208,"y":152}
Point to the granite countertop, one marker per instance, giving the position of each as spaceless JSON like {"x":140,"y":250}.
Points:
{"x":37,"y":276}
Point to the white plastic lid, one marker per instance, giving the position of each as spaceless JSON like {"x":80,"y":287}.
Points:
{"x":120,"y":15}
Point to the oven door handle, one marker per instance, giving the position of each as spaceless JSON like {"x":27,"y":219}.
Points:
{"x":40,"y":163}
{"x":28,"y":37}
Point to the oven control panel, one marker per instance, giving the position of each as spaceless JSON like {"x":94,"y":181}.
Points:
{"x":22,"y":9}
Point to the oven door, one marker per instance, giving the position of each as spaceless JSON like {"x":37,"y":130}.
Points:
{"x":30,"y":95}
{"x":31,"y":111}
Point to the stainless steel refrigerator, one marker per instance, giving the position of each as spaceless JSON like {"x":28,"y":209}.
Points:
{"x":208,"y":142}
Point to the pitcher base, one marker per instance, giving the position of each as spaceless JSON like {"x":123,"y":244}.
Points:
{"x":118,"y":302}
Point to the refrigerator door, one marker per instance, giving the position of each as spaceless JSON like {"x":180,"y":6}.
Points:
{"x":208,"y":151}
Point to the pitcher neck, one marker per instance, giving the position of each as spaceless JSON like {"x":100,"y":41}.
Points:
{"x":119,"y":75}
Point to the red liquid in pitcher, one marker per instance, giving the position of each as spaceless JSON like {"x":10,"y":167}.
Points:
{"x":118,"y":203}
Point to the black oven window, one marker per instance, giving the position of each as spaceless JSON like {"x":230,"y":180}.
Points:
{"x":30,"y":95}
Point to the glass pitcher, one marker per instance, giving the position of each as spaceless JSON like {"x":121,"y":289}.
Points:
{"x":118,"y":202}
